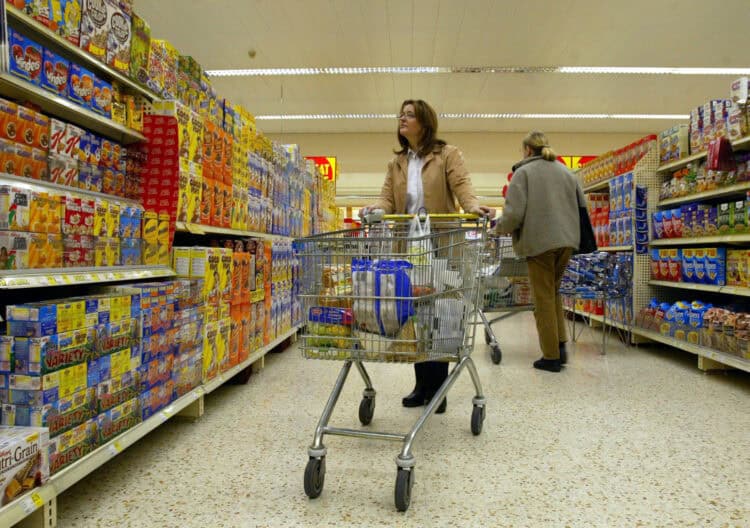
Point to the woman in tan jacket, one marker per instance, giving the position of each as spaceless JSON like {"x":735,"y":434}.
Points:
{"x":426,"y":173}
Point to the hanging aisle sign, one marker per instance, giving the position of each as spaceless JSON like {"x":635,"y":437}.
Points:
{"x":326,"y":166}
{"x":575,"y":162}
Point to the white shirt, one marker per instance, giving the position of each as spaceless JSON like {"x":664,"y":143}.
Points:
{"x":414,"y":190}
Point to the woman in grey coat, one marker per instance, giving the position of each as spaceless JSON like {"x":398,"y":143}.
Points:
{"x":541,"y":212}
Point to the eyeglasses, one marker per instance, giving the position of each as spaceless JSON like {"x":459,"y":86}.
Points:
{"x":407,"y":115}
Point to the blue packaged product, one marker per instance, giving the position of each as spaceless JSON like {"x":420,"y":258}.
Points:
{"x":641,"y":197}
{"x":641,"y":214}
{"x":641,"y":226}
{"x":6,"y":355}
{"x":658,"y":225}
{"x":641,"y":237}
{"x":26,"y":57}
{"x":330,"y":315}
{"x":55,"y":74}
{"x":715,"y":263}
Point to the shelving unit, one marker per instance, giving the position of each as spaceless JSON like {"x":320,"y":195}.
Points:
{"x":599,"y":186}
{"x":738,"y":144}
{"x":62,"y":108}
{"x":17,"y":181}
{"x":199,"y":229}
{"x":10,"y":280}
{"x":723,"y":239}
{"x":51,"y":40}
{"x":42,"y":501}
{"x":729,"y":290}
{"x":701,"y":351}
{"x":721,"y":192}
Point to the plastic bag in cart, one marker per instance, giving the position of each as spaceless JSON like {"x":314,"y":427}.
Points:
{"x":420,"y":251}
{"x":373,"y":280}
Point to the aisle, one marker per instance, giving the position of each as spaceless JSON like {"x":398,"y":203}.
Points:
{"x":634,"y":438}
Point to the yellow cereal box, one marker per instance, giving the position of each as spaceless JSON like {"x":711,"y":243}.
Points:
{"x":210,"y":360}
{"x":222,"y":343}
{"x":225,"y":275}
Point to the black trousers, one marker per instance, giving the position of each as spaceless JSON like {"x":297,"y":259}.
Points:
{"x":430,"y":375}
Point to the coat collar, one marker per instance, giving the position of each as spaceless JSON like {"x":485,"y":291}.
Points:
{"x":525,"y":162}
{"x":403,"y":159}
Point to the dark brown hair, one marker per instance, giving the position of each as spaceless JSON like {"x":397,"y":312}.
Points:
{"x":428,"y":120}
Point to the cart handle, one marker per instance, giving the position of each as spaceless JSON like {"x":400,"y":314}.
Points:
{"x":438,"y":216}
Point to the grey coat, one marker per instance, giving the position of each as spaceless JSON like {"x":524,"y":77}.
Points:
{"x":541,"y":207}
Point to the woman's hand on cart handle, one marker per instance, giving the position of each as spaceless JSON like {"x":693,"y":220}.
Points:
{"x":483,"y":210}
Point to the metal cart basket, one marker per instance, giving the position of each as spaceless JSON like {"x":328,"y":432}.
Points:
{"x":504,"y":288}
{"x":383,"y":294}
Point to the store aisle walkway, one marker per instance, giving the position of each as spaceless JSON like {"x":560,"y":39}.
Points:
{"x":633,"y":438}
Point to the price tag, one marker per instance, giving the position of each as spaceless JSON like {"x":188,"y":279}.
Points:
{"x":31,"y":503}
{"x":118,"y":275}
{"x":19,"y":282}
{"x":3,"y":283}
{"x":168,"y":411}
{"x":115,"y":448}
{"x":79,"y":278}
{"x":66,"y":279}
{"x":51,"y":280}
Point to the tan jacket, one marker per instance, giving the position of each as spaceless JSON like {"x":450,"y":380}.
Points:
{"x":444,"y":180}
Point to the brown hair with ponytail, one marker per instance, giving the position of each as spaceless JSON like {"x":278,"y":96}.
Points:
{"x":539,"y":145}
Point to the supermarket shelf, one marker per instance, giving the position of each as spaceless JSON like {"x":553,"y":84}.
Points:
{"x":716,"y":193}
{"x":720,"y":357}
{"x":737,"y":144}
{"x":198,"y":229}
{"x":60,"y":107}
{"x":24,"y":506}
{"x":724,"y":239}
{"x":38,"y":278}
{"x":598,"y":319}
{"x":10,"y":179}
{"x":729,"y":290}
{"x":602,"y":185}
{"x":222,"y":378}
{"x":616,"y":248}
{"x":51,"y":40}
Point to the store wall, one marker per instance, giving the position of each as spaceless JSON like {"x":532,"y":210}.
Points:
{"x":363,"y":158}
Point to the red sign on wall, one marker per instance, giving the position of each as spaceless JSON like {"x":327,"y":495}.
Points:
{"x":326,"y":166}
{"x":575,"y":162}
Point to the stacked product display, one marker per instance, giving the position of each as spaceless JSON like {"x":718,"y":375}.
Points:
{"x":615,"y":163}
{"x":111,"y":144}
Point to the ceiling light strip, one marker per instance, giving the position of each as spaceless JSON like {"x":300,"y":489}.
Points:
{"x":319,"y":117}
{"x":411,"y":70}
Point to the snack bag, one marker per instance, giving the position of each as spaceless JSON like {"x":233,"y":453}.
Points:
{"x":364,"y":291}
{"x":393,"y":281}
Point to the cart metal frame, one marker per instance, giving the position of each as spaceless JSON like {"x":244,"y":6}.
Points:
{"x":369,"y":240}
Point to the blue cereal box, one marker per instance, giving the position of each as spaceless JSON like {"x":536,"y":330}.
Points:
{"x":55,"y":74}
{"x":80,"y":85}
{"x":26,"y":58}
{"x":716,"y":261}
{"x":101,"y":102}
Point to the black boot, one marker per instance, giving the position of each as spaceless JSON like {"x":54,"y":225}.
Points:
{"x":563,"y":354}
{"x":550,"y":365}
{"x":440,"y":408}
{"x":415,"y":399}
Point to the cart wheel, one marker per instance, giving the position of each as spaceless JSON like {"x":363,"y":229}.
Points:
{"x":496,"y":355}
{"x":404,"y":483}
{"x":477,"y":420}
{"x":487,"y":338}
{"x":366,"y":410}
{"x":315,"y":476}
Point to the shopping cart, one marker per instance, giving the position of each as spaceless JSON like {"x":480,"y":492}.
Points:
{"x":504,"y":288}
{"x":378,"y":294}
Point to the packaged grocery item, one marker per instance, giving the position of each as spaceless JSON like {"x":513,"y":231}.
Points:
{"x":724,"y":218}
{"x":27,"y":126}
{"x":8,"y":120}
{"x":78,"y":251}
{"x":674,"y":265}
{"x":26,"y":57}
{"x":118,"y":42}
{"x":26,"y":461}
{"x":14,"y":253}
{"x":65,"y":19}
{"x":117,"y":420}
{"x":711,"y":221}
{"x":41,"y":132}
{"x":80,"y":85}
{"x":55,"y":74}
{"x":715,"y":262}
{"x":739,"y":91}
{"x":699,"y":259}
{"x":739,"y":217}
{"x":733,"y":266}
{"x":101,"y":101}
{"x":140,"y":49}
{"x":94,"y":27}
{"x":71,"y":446}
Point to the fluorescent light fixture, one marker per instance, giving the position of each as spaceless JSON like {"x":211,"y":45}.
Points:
{"x":317,"y":117}
{"x":412,"y":70}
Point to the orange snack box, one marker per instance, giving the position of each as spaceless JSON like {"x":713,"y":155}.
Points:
{"x":38,"y":211}
{"x":207,"y":199}
{"x":24,"y":161}
{"x":27,"y":126}
{"x":39,"y":165}
{"x":41,"y":131}
{"x":54,"y":250}
{"x":9,"y":126}
{"x":235,"y":337}
{"x":8,"y":163}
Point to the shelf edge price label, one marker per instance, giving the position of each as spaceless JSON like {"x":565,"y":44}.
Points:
{"x":194,"y":229}
{"x":32,"y":503}
{"x":115,"y":448}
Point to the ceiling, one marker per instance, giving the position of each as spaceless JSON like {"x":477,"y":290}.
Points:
{"x":320,"y":33}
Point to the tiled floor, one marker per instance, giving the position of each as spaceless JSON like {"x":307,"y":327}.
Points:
{"x":639,"y":437}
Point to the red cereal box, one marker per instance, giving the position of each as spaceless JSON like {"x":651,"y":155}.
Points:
{"x":56,"y":136}
{"x":71,"y":143}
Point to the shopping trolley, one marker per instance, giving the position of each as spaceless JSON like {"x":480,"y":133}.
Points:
{"x":380,"y":294}
{"x":504,"y":288}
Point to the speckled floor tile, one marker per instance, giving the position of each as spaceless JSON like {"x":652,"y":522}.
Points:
{"x":639,"y":437}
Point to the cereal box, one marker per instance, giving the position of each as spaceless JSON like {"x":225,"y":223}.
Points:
{"x":65,"y":19}
{"x":117,"y":420}
{"x":101,"y":102}
{"x":94,"y":27}
{"x":715,"y":263}
{"x":210,"y":360}
{"x":118,"y":42}
{"x":15,"y":204}
{"x":140,"y":49}
{"x":8,"y":120}
{"x":55,"y":74}
{"x":27,"y":126}
{"x":26,"y":57}
{"x":71,"y":446}
{"x":24,"y":461}
{"x":78,"y":251}
{"x":80,"y":85}
{"x":41,"y":132}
